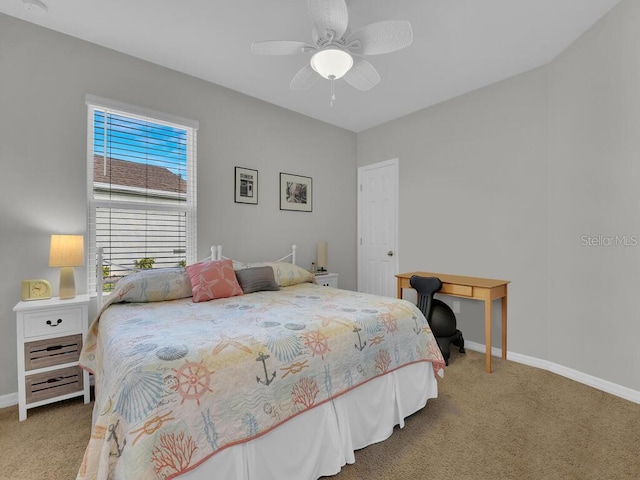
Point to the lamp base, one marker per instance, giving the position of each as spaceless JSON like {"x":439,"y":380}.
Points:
{"x":67,"y":288}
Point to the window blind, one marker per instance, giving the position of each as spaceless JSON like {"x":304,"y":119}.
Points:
{"x":141,"y":188}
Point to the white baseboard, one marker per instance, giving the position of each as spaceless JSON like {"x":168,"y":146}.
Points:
{"x":595,"y":382}
{"x":9,"y":400}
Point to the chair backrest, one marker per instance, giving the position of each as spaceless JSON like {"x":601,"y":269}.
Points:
{"x":426,"y":287}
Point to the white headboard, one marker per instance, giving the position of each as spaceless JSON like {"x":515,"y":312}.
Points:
{"x":291,"y":255}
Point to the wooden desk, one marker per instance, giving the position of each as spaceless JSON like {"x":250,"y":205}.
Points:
{"x":485,"y":289}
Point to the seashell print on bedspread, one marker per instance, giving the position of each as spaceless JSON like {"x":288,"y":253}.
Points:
{"x":177,"y":381}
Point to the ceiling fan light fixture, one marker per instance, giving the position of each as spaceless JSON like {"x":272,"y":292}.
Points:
{"x":331,"y":63}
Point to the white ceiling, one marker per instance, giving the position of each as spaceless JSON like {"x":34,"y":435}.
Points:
{"x":459,"y":45}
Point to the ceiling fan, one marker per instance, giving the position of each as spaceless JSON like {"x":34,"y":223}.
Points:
{"x":338,"y":53}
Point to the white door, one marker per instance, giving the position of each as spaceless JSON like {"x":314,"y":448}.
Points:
{"x":378,"y":228}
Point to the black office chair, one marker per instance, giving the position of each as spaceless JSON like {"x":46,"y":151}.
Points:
{"x":441,"y":318}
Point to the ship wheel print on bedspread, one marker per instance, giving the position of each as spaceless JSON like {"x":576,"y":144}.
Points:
{"x":193,"y":381}
{"x":317,"y":342}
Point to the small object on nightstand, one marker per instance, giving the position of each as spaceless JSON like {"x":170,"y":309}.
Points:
{"x":327,"y":279}
{"x":49,"y":335}
{"x":37,"y":289}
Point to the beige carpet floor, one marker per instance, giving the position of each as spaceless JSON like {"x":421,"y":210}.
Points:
{"x":517,"y":423}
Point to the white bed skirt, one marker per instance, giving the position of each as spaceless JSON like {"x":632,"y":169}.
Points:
{"x":322,"y":440}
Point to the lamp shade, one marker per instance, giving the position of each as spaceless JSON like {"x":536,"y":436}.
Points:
{"x":66,"y":251}
{"x":331,"y":63}
{"x":323,"y":251}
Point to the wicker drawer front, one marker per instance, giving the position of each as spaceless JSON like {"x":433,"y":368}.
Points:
{"x":52,"y":323}
{"x":53,"y":384}
{"x":53,"y":351}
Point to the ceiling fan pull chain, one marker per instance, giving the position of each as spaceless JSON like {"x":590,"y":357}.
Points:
{"x":333,"y":92}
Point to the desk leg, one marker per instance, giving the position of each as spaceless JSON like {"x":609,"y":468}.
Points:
{"x":487,"y":332}
{"x":504,"y":326}
{"x":400,"y":289}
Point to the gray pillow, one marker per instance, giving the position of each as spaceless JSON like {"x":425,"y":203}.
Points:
{"x":256,"y":279}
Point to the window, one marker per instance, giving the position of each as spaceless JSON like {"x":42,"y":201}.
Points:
{"x":142,"y":189}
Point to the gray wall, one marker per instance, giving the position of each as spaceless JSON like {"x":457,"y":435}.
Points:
{"x":44,"y":77}
{"x":594,"y":180}
{"x":513,"y":176}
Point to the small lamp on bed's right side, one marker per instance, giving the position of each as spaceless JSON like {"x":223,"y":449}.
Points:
{"x":322,"y":257}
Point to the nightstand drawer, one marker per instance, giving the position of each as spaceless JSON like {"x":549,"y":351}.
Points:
{"x":53,"y":322}
{"x":42,"y":386}
{"x":52,"y":351}
{"x":327,"y":280}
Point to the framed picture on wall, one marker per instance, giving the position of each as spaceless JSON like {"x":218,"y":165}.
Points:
{"x":296,"y":192}
{"x":246,"y":190}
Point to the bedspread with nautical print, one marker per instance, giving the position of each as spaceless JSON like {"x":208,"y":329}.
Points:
{"x":178,"y":381}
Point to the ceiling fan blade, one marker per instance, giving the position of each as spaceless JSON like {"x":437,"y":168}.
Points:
{"x":304,"y":79}
{"x":279,"y":47}
{"x":362,"y":75}
{"x":329,"y":15}
{"x":381,"y":37}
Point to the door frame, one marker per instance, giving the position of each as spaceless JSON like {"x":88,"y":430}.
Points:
{"x":394,"y":162}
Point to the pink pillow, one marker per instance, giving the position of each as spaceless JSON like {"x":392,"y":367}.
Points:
{"x":213,"y":279}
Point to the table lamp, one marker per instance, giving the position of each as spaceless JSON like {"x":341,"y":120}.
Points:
{"x":67,"y":251}
{"x":322,"y":256}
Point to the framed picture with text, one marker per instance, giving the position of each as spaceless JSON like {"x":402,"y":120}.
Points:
{"x":296,"y":192}
{"x":246,"y":190}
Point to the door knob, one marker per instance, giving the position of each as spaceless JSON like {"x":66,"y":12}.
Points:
{"x":390,"y":253}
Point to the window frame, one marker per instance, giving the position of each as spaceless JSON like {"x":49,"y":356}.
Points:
{"x":189,"y":207}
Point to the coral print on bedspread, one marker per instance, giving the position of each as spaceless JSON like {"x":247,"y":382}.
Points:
{"x":178,"y":381}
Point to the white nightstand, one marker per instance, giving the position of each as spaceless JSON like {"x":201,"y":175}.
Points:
{"x":50,"y":334}
{"x":327,"y":280}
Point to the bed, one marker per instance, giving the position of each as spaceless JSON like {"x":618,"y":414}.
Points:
{"x":282,"y":379}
